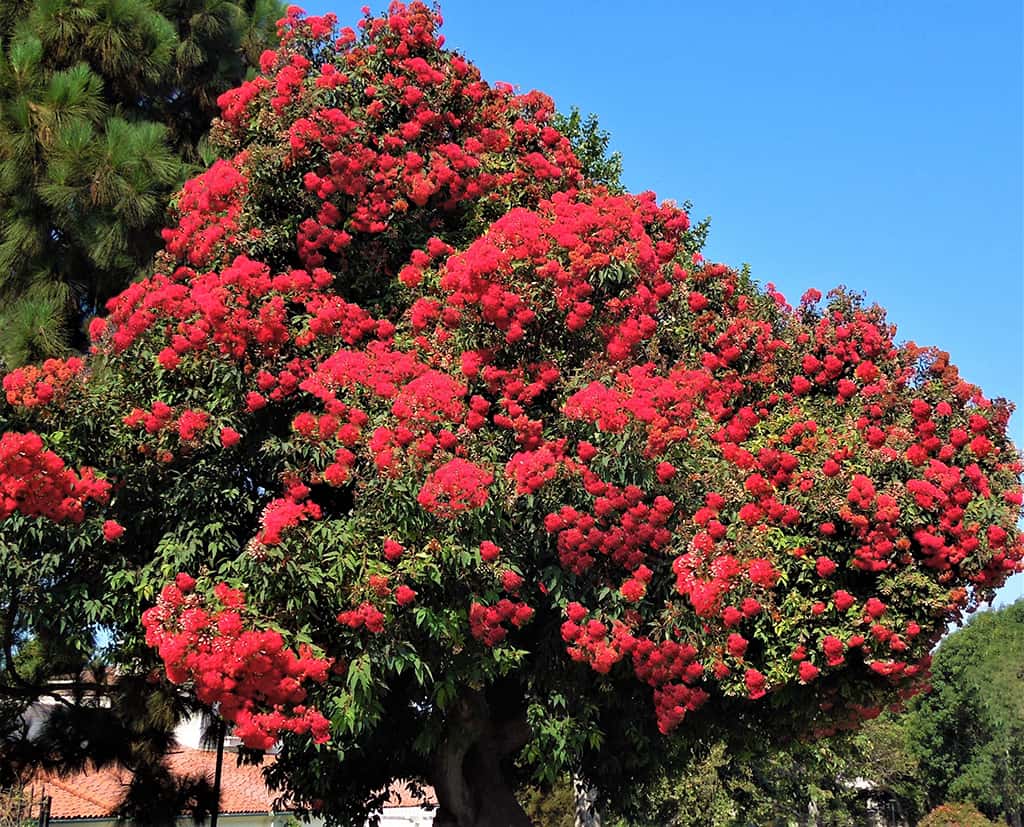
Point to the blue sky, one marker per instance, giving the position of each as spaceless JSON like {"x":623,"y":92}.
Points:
{"x":872,"y":144}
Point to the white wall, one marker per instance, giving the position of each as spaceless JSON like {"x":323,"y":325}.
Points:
{"x":406,"y":817}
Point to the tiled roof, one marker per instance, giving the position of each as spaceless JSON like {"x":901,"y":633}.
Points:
{"x":97,"y":794}
{"x":401,"y":796}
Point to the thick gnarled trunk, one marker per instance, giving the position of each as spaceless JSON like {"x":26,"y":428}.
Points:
{"x":471,"y":787}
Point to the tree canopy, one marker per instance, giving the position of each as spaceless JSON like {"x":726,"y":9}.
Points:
{"x":968,"y":732}
{"x":104,"y":109}
{"x":957,"y":742}
{"x":431,"y":456}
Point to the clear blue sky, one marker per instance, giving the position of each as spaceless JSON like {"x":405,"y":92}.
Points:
{"x":872,"y":144}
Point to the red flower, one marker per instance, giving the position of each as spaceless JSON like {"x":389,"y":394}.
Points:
{"x":112,"y":531}
{"x":750,"y":607}
{"x":843,"y":600}
{"x":168,"y":359}
{"x":404,"y":595}
{"x":575,"y":612}
{"x":874,"y":607}
{"x":737,"y":645}
{"x":456,"y":486}
{"x":372,"y":618}
{"x":633,"y":590}
{"x":833,"y":649}
{"x":824,"y":567}
{"x":665,"y":471}
{"x":762,"y":573}
{"x":97,"y":327}
{"x":755,"y":682}
{"x":229,"y":437}
{"x":392,"y":550}
{"x":191,"y":424}
{"x":697,"y":301}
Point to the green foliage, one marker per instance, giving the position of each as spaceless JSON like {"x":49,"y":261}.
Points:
{"x":968,"y":732}
{"x":960,"y":742}
{"x":730,"y":782}
{"x":104,"y":109}
{"x":880,"y":753}
{"x":590,"y":143}
{"x":550,"y":807}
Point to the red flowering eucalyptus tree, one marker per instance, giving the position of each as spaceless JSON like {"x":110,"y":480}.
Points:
{"x":433,"y":461}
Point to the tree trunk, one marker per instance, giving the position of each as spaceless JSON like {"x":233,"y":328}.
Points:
{"x":468,"y":779}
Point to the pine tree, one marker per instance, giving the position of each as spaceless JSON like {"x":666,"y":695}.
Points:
{"x":104,"y":108}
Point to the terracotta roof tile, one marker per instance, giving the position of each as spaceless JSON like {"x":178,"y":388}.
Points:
{"x":83,"y":795}
{"x":242,"y":789}
{"x":97,"y":794}
{"x":401,"y":796}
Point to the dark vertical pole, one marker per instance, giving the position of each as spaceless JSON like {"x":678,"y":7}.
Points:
{"x":217,"y":773}
{"x":44,"y":811}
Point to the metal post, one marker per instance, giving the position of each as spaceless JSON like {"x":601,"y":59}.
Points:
{"x":221,"y":729}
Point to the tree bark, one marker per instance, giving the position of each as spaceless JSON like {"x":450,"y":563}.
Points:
{"x":467,"y":775}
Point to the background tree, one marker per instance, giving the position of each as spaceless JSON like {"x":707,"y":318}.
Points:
{"x":431,"y":458}
{"x":104,"y":108}
{"x":882,"y":756}
{"x":744,"y":779}
{"x":958,"y":742}
{"x":968,"y":732}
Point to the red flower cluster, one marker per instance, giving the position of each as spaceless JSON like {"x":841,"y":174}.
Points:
{"x":486,"y":623}
{"x":227,"y":312}
{"x":36,"y":482}
{"x":456,"y":486}
{"x":569,"y":243}
{"x":366,"y":616}
{"x":210,"y":206}
{"x":664,"y":406}
{"x":622,"y":528}
{"x":285,"y":513}
{"x":379,"y":148}
{"x":112,"y":531}
{"x":250,"y":676}
{"x":670,"y":668}
{"x":33,"y":387}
